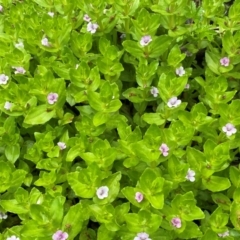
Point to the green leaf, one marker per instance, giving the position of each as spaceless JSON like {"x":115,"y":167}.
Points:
{"x":74,"y":152}
{"x":144,"y":221}
{"x":228,"y":43}
{"x":100,"y":118}
{"x":234,"y":176}
{"x":121,"y":211}
{"x":191,"y":231}
{"x":129,"y":193}
{"x":150,"y":183}
{"x":12,"y":152}
{"x":95,"y":101}
{"x":133,"y":48}
{"x":212,"y":60}
{"x":32,"y":229}
{"x":39,"y":214}
{"x":218,"y":220}
{"x":39,"y":115}
{"x":222,"y":200}
{"x":159,"y":45}
{"x":21,"y":195}
{"x":185,"y":205}
{"x":234,"y":215}
{"x":113,"y":184}
{"x":209,"y":234}
{"x":105,"y":234}
{"x":175,"y":57}
{"x":153,"y":118}
{"x":56,"y":210}
{"x":85,"y":182}
{"x":88,"y":234}
{"x":156,"y":200}
{"x":14,"y":207}
{"x":195,"y":158}
{"x":216,"y":184}
{"x":134,"y":95}
{"x":74,"y":219}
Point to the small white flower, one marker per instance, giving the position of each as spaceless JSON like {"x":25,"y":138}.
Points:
{"x":190,"y":175}
{"x":180,"y":71}
{"x":3,"y":215}
{"x":51,"y":14}
{"x":145,"y":40}
{"x":1,"y":8}
{"x":3,"y":79}
{"x":154,"y":91}
{"x":61,"y":145}
{"x":142,"y":236}
{"x":229,"y":129}
{"x":7,"y":105}
{"x":123,"y":35}
{"x":86,"y":18}
{"x":174,"y":102}
{"x":187,"y":86}
{"x":92,"y":27}
{"x":45,"y":42}
{"x":19,"y":45}
{"x":13,"y":238}
{"x":19,"y":70}
{"x":223,"y":235}
{"x":102,"y":192}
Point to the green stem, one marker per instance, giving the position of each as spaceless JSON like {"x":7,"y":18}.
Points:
{"x":127,"y":28}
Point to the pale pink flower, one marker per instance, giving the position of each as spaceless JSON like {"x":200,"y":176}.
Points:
{"x":19,"y":70}
{"x":86,"y":18}
{"x":145,"y":40}
{"x":92,"y":27}
{"x":180,"y":71}
{"x":225,"y":61}
{"x":229,"y":129}
{"x":13,"y":238}
{"x":60,"y":235}
{"x":223,"y":235}
{"x":7,"y":105}
{"x":138,"y":197}
{"x":176,"y":222}
{"x":190,"y":175}
{"x":164,"y":149}
{"x":154,"y":91}
{"x":3,"y":79}
{"x":45,"y":42}
{"x":61,"y":145}
{"x":102,"y":192}
{"x":52,"y":98}
{"x":142,"y":236}
{"x":174,"y":102}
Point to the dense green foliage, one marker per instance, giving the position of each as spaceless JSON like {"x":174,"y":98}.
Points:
{"x":119,"y":119}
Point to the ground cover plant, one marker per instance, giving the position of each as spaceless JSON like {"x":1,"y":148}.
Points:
{"x":119,"y":119}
